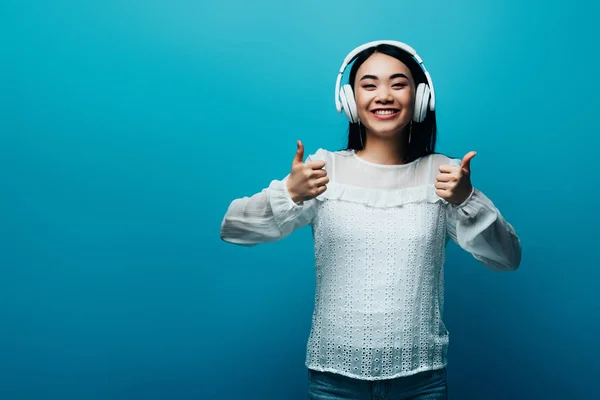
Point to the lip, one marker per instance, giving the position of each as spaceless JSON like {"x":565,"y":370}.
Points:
{"x":390,"y":116}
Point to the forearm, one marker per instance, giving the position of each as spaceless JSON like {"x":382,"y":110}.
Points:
{"x":267,"y":216}
{"x":479,"y":228}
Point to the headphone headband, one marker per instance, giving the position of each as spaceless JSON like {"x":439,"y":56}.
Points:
{"x":402,"y":46}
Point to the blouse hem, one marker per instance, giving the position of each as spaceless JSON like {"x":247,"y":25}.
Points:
{"x":375,"y":378}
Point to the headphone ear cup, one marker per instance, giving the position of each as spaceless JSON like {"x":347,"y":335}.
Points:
{"x":421,"y":102}
{"x":348,"y":103}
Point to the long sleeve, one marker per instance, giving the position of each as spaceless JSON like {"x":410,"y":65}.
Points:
{"x":478,"y":227}
{"x":267,"y":216}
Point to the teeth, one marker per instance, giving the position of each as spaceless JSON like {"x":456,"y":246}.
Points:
{"x":384,"y":112}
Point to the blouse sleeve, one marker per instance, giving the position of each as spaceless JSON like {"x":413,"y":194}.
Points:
{"x":267,"y":216}
{"x":478,"y":227}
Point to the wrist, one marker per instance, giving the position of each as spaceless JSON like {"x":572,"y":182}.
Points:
{"x":462,"y":203}
{"x":291,"y":193}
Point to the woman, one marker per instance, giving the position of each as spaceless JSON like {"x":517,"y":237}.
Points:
{"x":382,"y":211}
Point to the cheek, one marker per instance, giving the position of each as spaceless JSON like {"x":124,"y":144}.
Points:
{"x":406,"y":98}
{"x":362,"y":99}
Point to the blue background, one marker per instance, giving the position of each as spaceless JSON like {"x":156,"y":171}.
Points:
{"x":127,"y":128}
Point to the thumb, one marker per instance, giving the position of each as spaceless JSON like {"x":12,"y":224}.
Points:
{"x":299,"y":157}
{"x":466,"y":161}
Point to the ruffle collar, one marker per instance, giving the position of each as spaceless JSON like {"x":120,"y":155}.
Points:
{"x":380,"y":198}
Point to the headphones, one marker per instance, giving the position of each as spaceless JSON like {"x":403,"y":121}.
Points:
{"x":424,"y":97}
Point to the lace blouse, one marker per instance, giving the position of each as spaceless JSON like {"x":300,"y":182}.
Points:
{"x":380,"y":233}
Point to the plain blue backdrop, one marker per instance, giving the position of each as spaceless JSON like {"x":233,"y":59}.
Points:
{"x":127,"y":128}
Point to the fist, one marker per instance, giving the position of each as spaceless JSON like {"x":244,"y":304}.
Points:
{"x":307,"y":180}
{"x":453,"y":184}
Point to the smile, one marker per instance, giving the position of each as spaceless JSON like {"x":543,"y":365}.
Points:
{"x":385,"y":113}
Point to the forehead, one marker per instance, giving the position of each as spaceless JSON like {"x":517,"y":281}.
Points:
{"x":382,"y":66}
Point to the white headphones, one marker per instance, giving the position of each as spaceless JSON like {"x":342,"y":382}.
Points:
{"x":424,"y":97}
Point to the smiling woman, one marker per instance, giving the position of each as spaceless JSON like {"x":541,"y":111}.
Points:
{"x":382,"y":211}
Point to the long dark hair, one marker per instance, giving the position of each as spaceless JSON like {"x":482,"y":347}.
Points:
{"x":423,"y":134}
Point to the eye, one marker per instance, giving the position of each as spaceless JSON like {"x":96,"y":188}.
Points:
{"x":399,"y":85}
{"x":368,"y":86}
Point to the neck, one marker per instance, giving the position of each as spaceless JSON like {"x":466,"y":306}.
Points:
{"x":385,"y":151}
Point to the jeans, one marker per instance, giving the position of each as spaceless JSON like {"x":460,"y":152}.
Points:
{"x":427,"y":385}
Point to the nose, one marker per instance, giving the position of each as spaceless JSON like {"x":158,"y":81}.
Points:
{"x":384,"y":96}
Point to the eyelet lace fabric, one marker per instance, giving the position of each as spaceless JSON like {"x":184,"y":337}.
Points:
{"x":379,"y":281}
{"x":379,"y":284}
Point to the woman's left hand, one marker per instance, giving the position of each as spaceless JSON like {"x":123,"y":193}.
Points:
{"x":453,"y":184}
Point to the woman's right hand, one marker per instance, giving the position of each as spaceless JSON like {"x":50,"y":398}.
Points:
{"x":307,"y":180}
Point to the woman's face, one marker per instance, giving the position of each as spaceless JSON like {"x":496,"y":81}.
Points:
{"x":384,"y":91}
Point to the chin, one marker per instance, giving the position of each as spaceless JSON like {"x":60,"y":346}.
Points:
{"x":386,"y":128}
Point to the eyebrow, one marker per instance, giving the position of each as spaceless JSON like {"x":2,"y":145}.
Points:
{"x":391,"y":77}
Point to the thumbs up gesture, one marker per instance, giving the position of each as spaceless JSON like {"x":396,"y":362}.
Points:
{"x":454,"y":183}
{"x":307,"y":180}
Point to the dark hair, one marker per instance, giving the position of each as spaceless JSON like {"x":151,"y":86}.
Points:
{"x":423,"y":134}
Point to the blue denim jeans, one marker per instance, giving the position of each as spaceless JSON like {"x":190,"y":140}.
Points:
{"x":427,"y":385}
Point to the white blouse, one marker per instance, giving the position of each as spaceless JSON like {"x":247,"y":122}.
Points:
{"x":380,"y":233}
